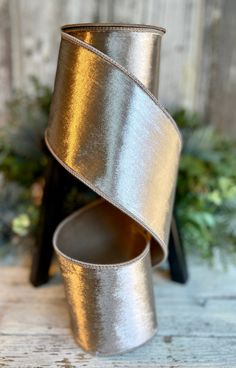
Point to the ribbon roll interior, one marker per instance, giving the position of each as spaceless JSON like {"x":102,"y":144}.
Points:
{"x":108,"y":129}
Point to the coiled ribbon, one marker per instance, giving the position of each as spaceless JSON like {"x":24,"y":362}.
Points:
{"x":107,"y":129}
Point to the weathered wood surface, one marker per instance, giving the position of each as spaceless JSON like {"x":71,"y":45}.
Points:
{"x":5,"y":58}
{"x":35,"y":37}
{"x":197,"y":324}
{"x":217,"y":82}
{"x":198,"y":54}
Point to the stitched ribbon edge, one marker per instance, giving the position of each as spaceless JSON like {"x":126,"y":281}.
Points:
{"x":108,"y":59}
{"x":73,"y":40}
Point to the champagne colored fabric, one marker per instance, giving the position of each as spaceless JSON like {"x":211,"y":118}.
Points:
{"x":106,"y":267}
{"x":108,"y":129}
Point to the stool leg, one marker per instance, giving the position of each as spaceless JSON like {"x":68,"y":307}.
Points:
{"x":51,"y":214}
{"x":177,"y":258}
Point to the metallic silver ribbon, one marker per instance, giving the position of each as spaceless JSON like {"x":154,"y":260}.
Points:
{"x":108,"y":129}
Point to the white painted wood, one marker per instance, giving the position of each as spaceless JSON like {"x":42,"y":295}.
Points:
{"x":197,"y":324}
{"x":198,"y":59}
{"x":217,"y":78}
{"x":61,"y":351}
{"x":36,"y":35}
{"x":181,"y":48}
{"x":5,"y":59}
{"x":35,"y":38}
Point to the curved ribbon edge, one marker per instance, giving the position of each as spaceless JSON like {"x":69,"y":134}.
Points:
{"x":99,"y":53}
{"x":137,"y":218}
{"x":168,"y":118}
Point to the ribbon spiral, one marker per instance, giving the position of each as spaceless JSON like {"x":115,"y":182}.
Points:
{"x":107,"y":128}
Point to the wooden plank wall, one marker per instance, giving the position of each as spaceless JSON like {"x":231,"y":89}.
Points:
{"x":198,"y":65}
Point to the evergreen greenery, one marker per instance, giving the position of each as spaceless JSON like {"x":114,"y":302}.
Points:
{"x":206,"y":190}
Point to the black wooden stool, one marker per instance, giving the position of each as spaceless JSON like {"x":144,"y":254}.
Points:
{"x":58,"y":182}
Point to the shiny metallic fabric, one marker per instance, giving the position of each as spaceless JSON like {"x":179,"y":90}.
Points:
{"x":108,"y":281}
{"x":108,"y":129}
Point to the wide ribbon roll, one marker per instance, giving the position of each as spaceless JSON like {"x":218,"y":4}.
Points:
{"x":108,"y":129}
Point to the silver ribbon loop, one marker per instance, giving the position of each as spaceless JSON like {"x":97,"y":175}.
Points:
{"x":108,"y":129}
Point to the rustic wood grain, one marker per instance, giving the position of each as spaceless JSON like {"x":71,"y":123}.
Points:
{"x":197,"y":324}
{"x":35,"y":38}
{"x":217,"y":81}
{"x":5,"y":58}
{"x":198,"y":59}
